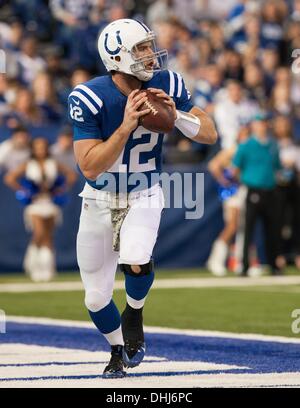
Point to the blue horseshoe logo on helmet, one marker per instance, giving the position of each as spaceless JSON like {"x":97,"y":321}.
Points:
{"x":118,"y":49}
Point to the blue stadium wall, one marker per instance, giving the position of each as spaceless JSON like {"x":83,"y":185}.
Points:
{"x":181,"y":242}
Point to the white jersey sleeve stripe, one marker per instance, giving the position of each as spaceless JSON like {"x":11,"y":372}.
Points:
{"x":179,"y":91}
{"x":92,"y":94}
{"x":172,"y":83}
{"x":85,"y":100}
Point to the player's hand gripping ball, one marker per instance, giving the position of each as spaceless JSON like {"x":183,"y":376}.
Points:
{"x":161,"y":118}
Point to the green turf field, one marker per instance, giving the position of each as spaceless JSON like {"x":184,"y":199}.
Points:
{"x":265,"y":310}
{"x":75,"y":276}
{"x":160,"y":274}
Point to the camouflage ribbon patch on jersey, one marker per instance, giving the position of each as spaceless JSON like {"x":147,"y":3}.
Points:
{"x":119,"y":208}
{"x":117,"y":218}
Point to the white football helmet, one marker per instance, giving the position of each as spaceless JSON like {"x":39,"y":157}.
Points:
{"x":117,"y":45}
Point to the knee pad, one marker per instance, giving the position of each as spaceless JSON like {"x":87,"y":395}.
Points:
{"x":96,"y":301}
{"x":146,"y":269}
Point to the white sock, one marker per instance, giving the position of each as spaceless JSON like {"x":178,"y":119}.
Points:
{"x":30,"y":258}
{"x":46,"y":264}
{"x":135,"y":304}
{"x":217,"y":258}
{"x":115,"y":338}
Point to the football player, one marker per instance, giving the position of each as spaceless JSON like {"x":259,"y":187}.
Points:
{"x":109,"y":142}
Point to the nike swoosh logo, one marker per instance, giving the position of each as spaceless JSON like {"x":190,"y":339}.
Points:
{"x":77,"y":102}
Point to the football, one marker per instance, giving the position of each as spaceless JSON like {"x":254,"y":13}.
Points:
{"x":160,"y":119}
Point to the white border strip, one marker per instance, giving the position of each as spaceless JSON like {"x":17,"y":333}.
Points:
{"x":192,"y":283}
{"x":162,"y":330}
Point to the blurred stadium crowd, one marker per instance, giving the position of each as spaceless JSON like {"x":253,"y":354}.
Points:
{"x":51,"y":47}
{"x":234,"y":55}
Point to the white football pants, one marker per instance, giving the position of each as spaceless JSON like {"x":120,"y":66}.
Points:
{"x":96,"y":259}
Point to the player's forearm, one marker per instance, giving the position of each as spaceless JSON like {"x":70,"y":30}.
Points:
{"x":207,"y":133}
{"x":197,"y":126}
{"x":102,"y":156}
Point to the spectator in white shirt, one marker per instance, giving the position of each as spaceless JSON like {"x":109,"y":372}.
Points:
{"x":3,"y":94}
{"x":232,"y":111}
{"x":15,"y":150}
{"x":70,"y":12}
{"x":62,"y":150}
{"x":30,"y":63}
{"x":296,"y":11}
{"x":219,"y":9}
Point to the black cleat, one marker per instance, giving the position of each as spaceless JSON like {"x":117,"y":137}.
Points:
{"x":133,"y":334}
{"x":115,"y":368}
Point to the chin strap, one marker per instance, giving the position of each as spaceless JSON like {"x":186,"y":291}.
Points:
{"x":188,"y":124}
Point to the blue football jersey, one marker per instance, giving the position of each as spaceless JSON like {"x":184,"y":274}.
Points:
{"x":96,"y":110}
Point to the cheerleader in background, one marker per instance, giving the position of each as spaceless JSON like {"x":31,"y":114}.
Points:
{"x":233,"y":199}
{"x":41,"y":184}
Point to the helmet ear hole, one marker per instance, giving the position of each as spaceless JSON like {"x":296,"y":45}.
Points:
{"x":117,"y":45}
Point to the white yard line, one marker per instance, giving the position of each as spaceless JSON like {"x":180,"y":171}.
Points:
{"x":224,"y":380}
{"x":26,"y":366}
{"x":158,"y":284}
{"x":40,"y":287}
{"x":153,"y":329}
